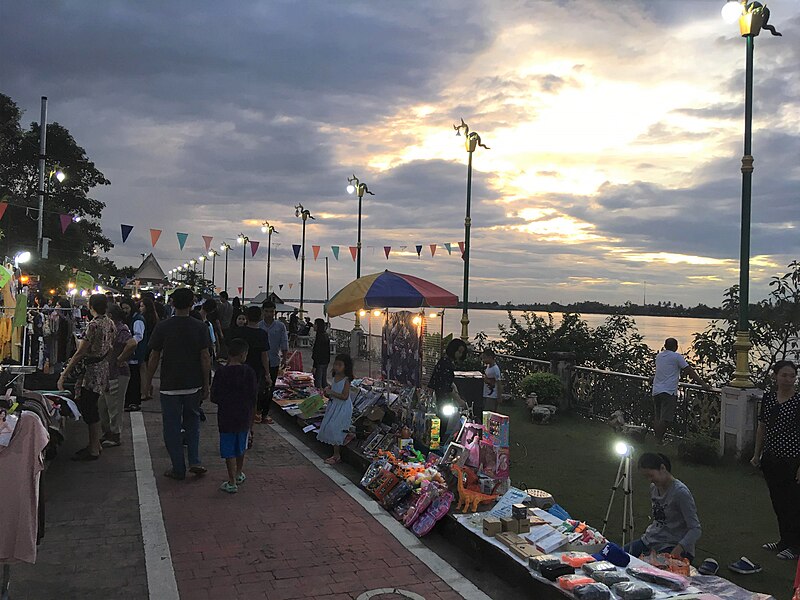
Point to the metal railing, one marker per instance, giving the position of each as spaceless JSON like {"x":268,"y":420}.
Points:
{"x":516,"y":368}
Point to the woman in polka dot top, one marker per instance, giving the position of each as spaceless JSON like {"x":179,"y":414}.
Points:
{"x":777,"y":452}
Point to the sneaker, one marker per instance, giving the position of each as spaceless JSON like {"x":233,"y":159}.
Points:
{"x":788,"y":554}
{"x":133,"y":408}
{"x":774,"y":546}
{"x":744,"y":566}
{"x":198,"y":469}
{"x":110,"y":443}
{"x":228,"y":488}
{"x":241,"y":478}
{"x":709,"y":567}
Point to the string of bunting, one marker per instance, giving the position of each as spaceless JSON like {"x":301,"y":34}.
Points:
{"x":155,"y":236}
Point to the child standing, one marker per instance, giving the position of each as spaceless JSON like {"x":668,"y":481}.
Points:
{"x":234,"y":391}
{"x":339,"y":414}
{"x":491,"y":381}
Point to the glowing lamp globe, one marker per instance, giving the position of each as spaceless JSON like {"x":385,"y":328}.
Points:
{"x":60,"y":176}
{"x":731,"y":11}
{"x":621,"y":448}
{"x":351,"y":189}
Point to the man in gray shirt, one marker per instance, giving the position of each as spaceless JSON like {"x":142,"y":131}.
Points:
{"x":278,"y":347}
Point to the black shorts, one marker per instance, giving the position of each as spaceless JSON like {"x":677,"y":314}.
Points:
{"x":88,"y":405}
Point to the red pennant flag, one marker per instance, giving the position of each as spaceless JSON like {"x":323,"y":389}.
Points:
{"x":433,"y":249}
{"x":3,"y":207}
{"x":461,"y":247}
{"x":240,"y":291}
{"x":254,"y":247}
{"x":315,"y":250}
{"x":207,"y":239}
{"x":65,"y":221}
{"x":154,"y":235}
{"x":386,"y":250}
{"x":354,"y":252}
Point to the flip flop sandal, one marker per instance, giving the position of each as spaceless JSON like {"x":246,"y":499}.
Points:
{"x":173,"y":475}
{"x":788,"y":554}
{"x":773,"y":546}
{"x":198,"y":470}
{"x":709,"y":567}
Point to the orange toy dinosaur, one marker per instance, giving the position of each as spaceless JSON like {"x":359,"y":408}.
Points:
{"x":469,"y":498}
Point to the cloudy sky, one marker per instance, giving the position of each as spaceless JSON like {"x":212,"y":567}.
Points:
{"x":614,"y":127}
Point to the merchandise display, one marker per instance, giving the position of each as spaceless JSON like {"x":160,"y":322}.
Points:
{"x":610,"y":577}
{"x":570,"y":582}
{"x":597,"y":567}
{"x":592,"y":591}
{"x":633,"y":590}
{"x":659,"y":577}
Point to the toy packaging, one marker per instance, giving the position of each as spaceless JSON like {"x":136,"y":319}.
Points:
{"x":495,"y":461}
{"x":495,"y":429}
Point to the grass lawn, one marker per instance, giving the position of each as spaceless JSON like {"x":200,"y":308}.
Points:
{"x":573,"y":459}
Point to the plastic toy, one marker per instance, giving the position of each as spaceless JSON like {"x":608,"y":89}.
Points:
{"x":469,"y":498}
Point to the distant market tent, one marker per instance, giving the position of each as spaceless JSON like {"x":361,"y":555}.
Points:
{"x":388,"y":290}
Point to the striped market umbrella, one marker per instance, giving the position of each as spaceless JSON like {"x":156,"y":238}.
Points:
{"x":388,"y":290}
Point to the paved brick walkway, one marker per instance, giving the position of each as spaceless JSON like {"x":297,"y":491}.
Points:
{"x":289,"y":533}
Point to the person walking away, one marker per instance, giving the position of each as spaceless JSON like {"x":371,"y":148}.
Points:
{"x":208,"y":313}
{"x":442,"y":382}
{"x":226,"y":320}
{"x":674,"y":525}
{"x":491,"y":383}
{"x":669,"y":367}
{"x":777,"y":452}
{"x":339,"y":412}
{"x":180,"y":344}
{"x":90,"y":362}
{"x":321,"y":353}
{"x":294,"y":324}
{"x":147,"y":308}
{"x":234,"y":391}
{"x":278,"y":347}
{"x":257,"y":358}
{"x":112,"y":401}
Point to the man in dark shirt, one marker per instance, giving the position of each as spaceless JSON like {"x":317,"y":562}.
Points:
{"x":257,"y":355}
{"x":181,"y":345}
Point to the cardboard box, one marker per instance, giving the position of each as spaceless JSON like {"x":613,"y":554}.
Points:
{"x":510,"y":524}
{"x":495,"y":429}
{"x":524,"y":551}
{"x":519,"y":511}
{"x":509,"y":539}
{"x":523,"y":525}
{"x":492,"y":526}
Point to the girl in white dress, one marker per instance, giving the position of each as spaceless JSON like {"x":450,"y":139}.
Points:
{"x":339,"y":413}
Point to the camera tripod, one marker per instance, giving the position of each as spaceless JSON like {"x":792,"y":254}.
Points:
{"x":625,"y":480}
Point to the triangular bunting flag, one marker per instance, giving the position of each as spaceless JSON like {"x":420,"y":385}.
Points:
{"x":182,"y":239}
{"x":433,"y":249}
{"x":65,"y":221}
{"x":154,"y":235}
{"x":290,"y":285}
{"x":126,"y":231}
{"x":449,"y":247}
{"x":3,"y":207}
{"x":386,"y":250}
{"x":335,"y":250}
{"x":280,"y":286}
{"x":419,"y":250}
{"x":461,"y":247}
{"x":61,"y":267}
{"x":315,"y":250}
{"x":354,"y":252}
{"x":254,"y":247}
{"x":403,"y":248}
{"x":296,"y":249}
{"x":207,"y":240}
{"x":240,"y":291}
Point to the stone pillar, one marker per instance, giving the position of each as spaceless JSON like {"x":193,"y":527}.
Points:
{"x":561,"y":364}
{"x":355,"y":343}
{"x":738,"y":420}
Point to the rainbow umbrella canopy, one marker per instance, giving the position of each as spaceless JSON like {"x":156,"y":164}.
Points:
{"x":388,"y":290}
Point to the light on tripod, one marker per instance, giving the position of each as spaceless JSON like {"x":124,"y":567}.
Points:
{"x":622,"y":449}
{"x":448,"y":410}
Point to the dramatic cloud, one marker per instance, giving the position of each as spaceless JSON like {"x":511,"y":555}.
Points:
{"x":615,"y":148}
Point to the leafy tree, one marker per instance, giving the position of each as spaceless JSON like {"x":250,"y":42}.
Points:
{"x":19,"y":155}
{"x":774,"y":332}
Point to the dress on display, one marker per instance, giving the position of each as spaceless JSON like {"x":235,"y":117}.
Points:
{"x":338,"y":417}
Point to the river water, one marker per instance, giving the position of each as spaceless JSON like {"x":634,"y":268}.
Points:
{"x":654,"y":329}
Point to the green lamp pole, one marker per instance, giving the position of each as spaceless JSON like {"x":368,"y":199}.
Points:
{"x":473,"y":140}
{"x":752,"y":18}
{"x":356,"y":186}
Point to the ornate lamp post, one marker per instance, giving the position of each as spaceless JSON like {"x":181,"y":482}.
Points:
{"x":305,"y":214}
{"x":192,"y":263}
{"x":473,"y":140}
{"x":356,"y":186}
{"x":213,"y":254}
{"x":269,"y":230}
{"x":225,"y":247}
{"x":203,"y":258}
{"x":243,"y":240}
{"x":752,"y":18}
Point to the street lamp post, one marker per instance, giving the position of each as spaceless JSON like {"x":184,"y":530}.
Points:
{"x":269,"y":230}
{"x":304,"y":214}
{"x":356,"y":186}
{"x":752,"y":18}
{"x":472,"y":141}
{"x":213,"y":254}
{"x":203,"y":258}
{"x":243,"y":240}
{"x":224,"y":247}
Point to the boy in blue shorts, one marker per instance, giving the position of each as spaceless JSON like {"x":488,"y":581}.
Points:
{"x":235,"y":392}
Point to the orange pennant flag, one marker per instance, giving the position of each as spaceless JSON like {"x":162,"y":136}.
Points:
{"x":433,"y":249}
{"x":315,"y":250}
{"x":154,"y":235}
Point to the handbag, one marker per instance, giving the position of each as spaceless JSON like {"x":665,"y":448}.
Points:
{"x":79,"y":370}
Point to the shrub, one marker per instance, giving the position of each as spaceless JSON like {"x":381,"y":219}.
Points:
{"x":547,"y":387}
{"x":700,"y":449}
